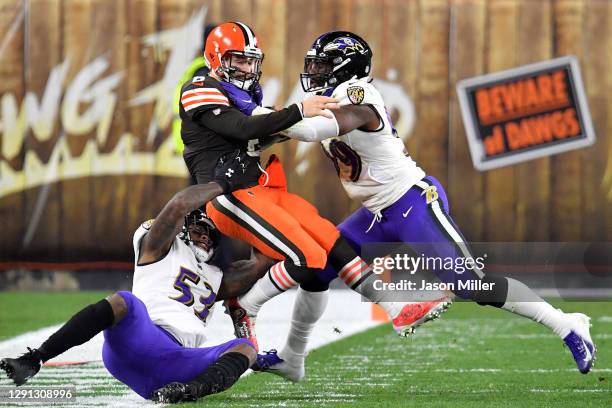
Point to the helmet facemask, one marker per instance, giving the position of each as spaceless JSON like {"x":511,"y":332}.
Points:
{"x":244,"y":80}
{"x":200,"y":234}
{"x":318,"y":74}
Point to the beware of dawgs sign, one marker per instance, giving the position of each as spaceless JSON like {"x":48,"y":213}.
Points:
{"x":524,"y":113}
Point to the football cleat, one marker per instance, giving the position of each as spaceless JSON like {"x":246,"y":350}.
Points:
{"x":244,"y":324}
{"x":415,"y":314}
{"x":580,"y":343}
{"x":21,"y":369}
{"x":270,"y":362}
{"x":266,"y":360}
{"x":173,"y":393}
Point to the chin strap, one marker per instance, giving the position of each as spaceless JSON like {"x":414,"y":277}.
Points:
{"x":200,"y":254}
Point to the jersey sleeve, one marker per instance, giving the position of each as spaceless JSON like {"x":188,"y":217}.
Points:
{"x":139,"y":234}
{"x":198,"y":97}
{"x":234,"y":124}
{"x":358,"y":92}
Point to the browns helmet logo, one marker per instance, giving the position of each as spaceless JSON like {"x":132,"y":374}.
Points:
{"x":355,"y":94}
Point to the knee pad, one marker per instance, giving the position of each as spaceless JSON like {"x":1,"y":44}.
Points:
{"x":495,"y":297}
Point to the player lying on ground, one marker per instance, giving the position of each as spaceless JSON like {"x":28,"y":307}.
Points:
{"x":216,"y":118}
{"x":400,"y":203}
{"x":153,"y":335}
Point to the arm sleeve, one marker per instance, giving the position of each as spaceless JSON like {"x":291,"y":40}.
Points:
{"x":231,"y":123}
{"x":312,"y":129}
{"x":139,"y":235}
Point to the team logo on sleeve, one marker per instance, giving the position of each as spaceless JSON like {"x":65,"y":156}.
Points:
{"x":147,"y":224}
{"x":355,"y":94}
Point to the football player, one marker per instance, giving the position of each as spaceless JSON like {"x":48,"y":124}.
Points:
{"x":153,"y":336}
{"x":400,"y":202}
{"x":216,"y":111}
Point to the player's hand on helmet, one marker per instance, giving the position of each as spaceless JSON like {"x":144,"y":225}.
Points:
{"x":316,"y":105}
{"x":229,"y":170}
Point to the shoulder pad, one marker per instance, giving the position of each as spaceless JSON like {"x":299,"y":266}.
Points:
{"x":357,"y":92}
{"x":202,"y":92}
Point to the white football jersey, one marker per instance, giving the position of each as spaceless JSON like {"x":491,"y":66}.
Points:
{"x":178,"y":291}
{"x":387,"y":171}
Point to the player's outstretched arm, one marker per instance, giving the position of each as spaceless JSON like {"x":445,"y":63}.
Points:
{"x":356,"y":116}
{"x":157,"y":241}
{"x":234,"y":124}
{"x":340,"y":121}
{"x":170,"y":220}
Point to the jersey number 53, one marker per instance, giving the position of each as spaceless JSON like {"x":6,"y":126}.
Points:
{"x":187,"y":297}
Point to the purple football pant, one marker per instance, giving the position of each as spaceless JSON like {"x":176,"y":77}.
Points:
{"x":426,"y":227}
{"x":145,"y":357}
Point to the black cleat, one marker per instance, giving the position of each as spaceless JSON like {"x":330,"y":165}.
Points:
{"x":173,"y":393}
{"x":23,"y":368}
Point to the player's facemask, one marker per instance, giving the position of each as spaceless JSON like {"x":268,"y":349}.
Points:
{"x":200,"y":234}
{"x":244,"y":80}
{"x":317,"y":75}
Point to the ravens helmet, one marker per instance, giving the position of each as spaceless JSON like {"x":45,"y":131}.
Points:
{"x":334,"y":58}
{"x":206,"y":228}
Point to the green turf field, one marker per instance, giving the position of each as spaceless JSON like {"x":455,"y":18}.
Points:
{"x":24,"y":311}
{"x":474,"y":356}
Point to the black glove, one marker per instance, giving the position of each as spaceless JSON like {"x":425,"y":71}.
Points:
{"x":230,"y":170}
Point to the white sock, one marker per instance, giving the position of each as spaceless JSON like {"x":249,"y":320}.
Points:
{"x":307,"y":310}
{"x":359,"y":276}
{"x":524,"y":302}
{"x":273,"y":283}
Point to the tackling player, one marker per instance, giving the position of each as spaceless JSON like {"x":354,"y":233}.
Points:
{"x":400,"y":202}
{"x":216,"y":113}
{"x":153,"y":335}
